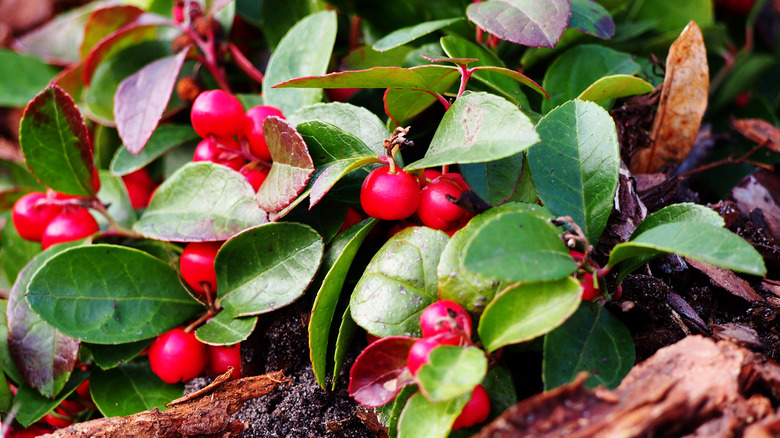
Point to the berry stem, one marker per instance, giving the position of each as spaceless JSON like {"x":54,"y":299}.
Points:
{"x":114,"y":229}
{"x":244,"y":64}
{"x":208,"y":49}
{"x":209,"y":313}
{"x":465,"y":75}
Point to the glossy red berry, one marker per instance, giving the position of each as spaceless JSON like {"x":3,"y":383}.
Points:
{"x":215,"y":112}
{"x":353,"y":216}
{"x":420,"y":352}
{"x":223,"y":357}
{"x":31,"y":214}
{"x":476,"y":411}
{"x":139,"y":186}
{"x":589,"y":291}
{"x":256,"y":176}
{"x":253,"y":129}
{"x":73,"y":223}
{"x":445,"y":316}
{"x":57,"y":419}
{"x":176,"y":356}
{"x":389,"y":196}
{"x":197,"y":266}
{"x":30,"y":432}
{"x":178,"y":13}
{"x":224,"y":151}
{"x":83,"y":391}
{"x":340,"y":94}
{"x":435,"y":210}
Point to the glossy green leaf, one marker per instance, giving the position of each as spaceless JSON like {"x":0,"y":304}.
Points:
{"x":526,"y":311}
{"x":501,"y":389}
{"x":358,"y":121}
{"x":421,"y":418}
{"x":404,"y":104}
{"x":201,"y":202}
{"x":335,"y":265}
{"x":408,"y":34}
{"x":591,"y":18}
{"x":398,"y":283}
{"x":613,"y":87}
{"x":683,"y":212}
{"x":695,"y":240}
{"x":131,"y":388}
{"x":165,"y":138}
{"x":276,"y":18}
{"x":292,"y":165}
{"x":44,"y":356}
{"x":494,"y":181}
{"x":518,"y":246}
{"x":267,"y":267}
{"x":590,"y":340}
{"x":364,"y":57}
{"x":376,"y":77}
{"x":6,"y":361}
{"x":347,"y":331}
{"x":70,"y":292}
{"x":527,"y":22}
{"x":15,"y":252}
{"x":392,"y":411}
{"x":224,"y":329}
{"x":672,"y":16}
{"x":304,"y":51}
{"x":21,"y":78}
{"x":575,"y":70}
{"x":575,"y":167}
{"x":33,"y":406}
{"x":55,"y":143}
{"x":332,"y":174}
{"x":452,"y":372}
{"x":478,"y":127}
{"x":111,"y":356}
{"x":58,"y":40}
{"x":114,"y":195}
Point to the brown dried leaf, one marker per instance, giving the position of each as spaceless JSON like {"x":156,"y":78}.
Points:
{"x":682,"y":104}
{"x":759,"y":131}
{"x":727,"y":280}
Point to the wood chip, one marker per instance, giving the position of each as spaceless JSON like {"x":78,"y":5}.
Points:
{"x":759,"y":131}
{"x":727,"y":280}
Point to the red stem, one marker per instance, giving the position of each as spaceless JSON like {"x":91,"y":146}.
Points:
{"x":244,"y":64}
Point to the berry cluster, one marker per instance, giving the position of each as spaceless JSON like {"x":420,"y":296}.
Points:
{"x":71,"y":410}
{"x":232,"y":137}
{"x":52,"y":218}
{"x":176,"y":356}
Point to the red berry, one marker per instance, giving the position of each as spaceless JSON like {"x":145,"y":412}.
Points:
{"x":83,"y":391}
{"x":31,"y":214}
{"x":215,"y":112}
{"x":197,"y":266}
{"x":253,"y":129}
{"x":353,"y":216}
{"x":256,"y":176}
{"x":222,"y":151}
{"x":576,"y":255}
{"x":589,"y":291}
{"x":430,"y":175}
{"x":178,"y":13}
{"x":73,"y":223}
{"x":139,"y":186}
{"x":435,"y":210}
{"x":340,"y":94}
{"x":476,"y":411}
{"x":420,"y":352}
{"x":57,"y":419}
{"x":223,"y":357}
{"x":30,"y":432}
{"x":445,"y":316}
{"x":397,"y":227}
{"x":176,"y":356}
{"x":389,"y":196}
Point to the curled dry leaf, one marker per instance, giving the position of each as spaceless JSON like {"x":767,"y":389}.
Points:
{"x":759,"y":131}
{"x":682,"y":104}
{"x":727,"y":280}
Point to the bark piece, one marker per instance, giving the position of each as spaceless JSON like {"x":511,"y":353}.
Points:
{"x":694,"y":388}
{"x":205,"y":416}
{"x":726,"y":279}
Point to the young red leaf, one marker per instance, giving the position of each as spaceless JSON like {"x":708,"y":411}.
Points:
{"x":104,"y":22}
{"x":379,"y":372}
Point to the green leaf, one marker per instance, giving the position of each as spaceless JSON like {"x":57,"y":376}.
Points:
{"x":575,"y":168}
{"x":615,"y":86}
{"x":391,"y":412}
{"x":44,"y":356}
{"x":15,"y":252}
{"x":365,"y":57}
{"x":347,"y":331}
{"x":494,"y":181}
{"x":527,"y":22}
{"x":527,"y":311}
{"x":21,"y":78}
{"x":292,"y":165}
{"x":333,"y":173}
{"x":224,"y":329}
{"x":591,"y":18}
{"x":111,"y":356}
{"x":55,"y":143}
{"x":680,"y":213}
{"x":376,"y":77}
{"x":478,"y":127}
{"x":452,"y":372}
{"x":328,"y":143}
{"x":335,"y":265}
{"x":267,"y":267}
{"x":304,"y":51}
{"x":276,"y":18}
{"x":202,"y":201}
{"x":131,"y":388}
{"x":106,"y":294}
{"x":113,"y":194}
{"x":590,"y":340}
{"x":421,"y":418}
{"x":404,"y":104}
{"x":356,"y":120}
{"x":398,"y":283}
{"x":672,"y":16}
{"x":165,"y":138}
{"x":575,"y":70}
{"x":695,"y":240}
{"x":33,"y":406}
{"x":408,"y":34}
{"x":6,"y":361}
{"x":518,"y":246}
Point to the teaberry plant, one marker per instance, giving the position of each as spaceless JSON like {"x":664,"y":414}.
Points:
{"x":480,"y":239}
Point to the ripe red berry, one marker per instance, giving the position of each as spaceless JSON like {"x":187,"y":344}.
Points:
{"x":223,"y":357}
{"x":176,"y":356}
{"x":57,"y":419}
{"x":31,"y":214}
{"x":139,"y":186}
{"x":340,"y":94}
{"x":389,"y":196}
{"x":178,"y":12}
{"x":353,"y":216}
{"x":445,"y":317}
{"x":420,"y":352}
{"x":30,"y":432}
{"x":253,"y":129}
{"x":589,"y":290}
{"x":83,"y":391}
{"x":435,"y":210}
{"x":215,"y":112}
{"x":256,"y":176}
{"x":73,"y":223}
{"x":430,"y":175}
{"x":476,"y":411}
{"x":197,"y":266}
{"x":224,"y":151}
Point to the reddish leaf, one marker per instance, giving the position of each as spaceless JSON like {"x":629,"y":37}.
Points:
{"x":379,"y":372}
{"x":104,"y":22}
{"x":759,"y":131}
{"x":141,"y":99}
{"x":292,"y":166}
{"x":69,"y":79}
{"x":527,"y":22}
